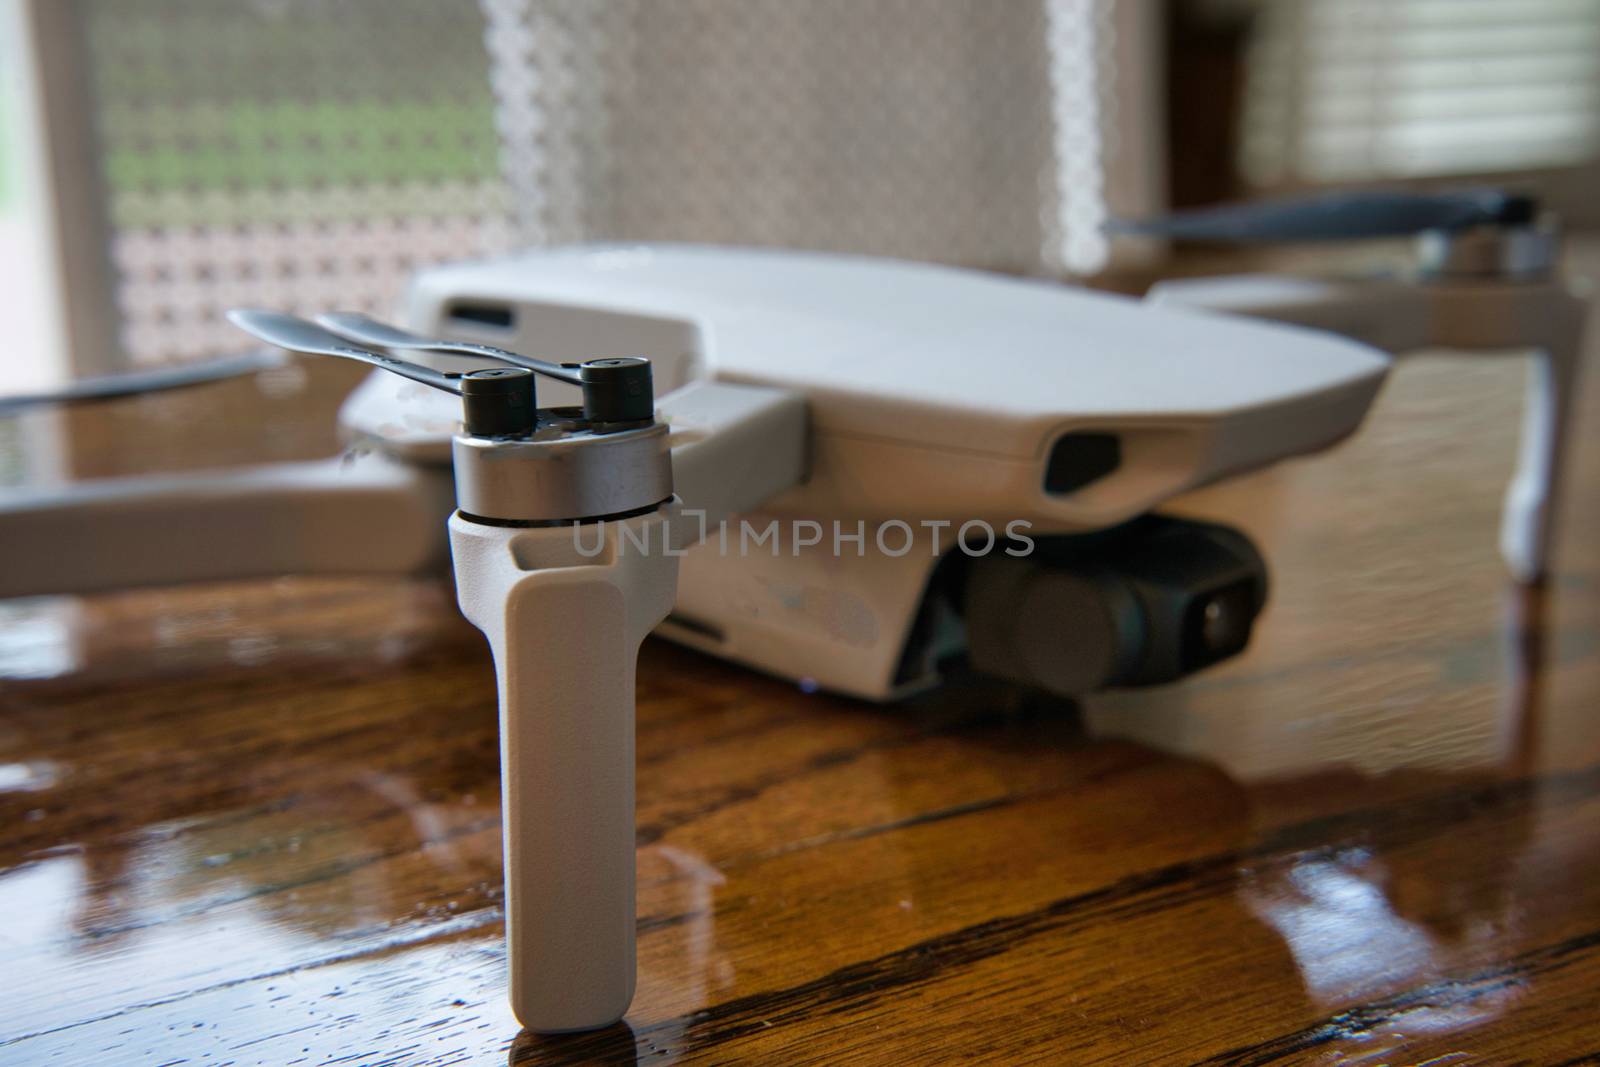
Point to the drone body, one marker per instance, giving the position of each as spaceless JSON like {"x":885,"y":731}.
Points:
{"x":935,"y":397}
{"x":933,"y":393}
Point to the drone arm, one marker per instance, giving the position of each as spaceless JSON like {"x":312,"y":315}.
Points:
{"x":1549,"y":318}
{"x":1470,"y":316}
{"x":733,"y":448}
{"x":365,"y":515}
{"x":564,"y":609}
{"x":1393,"y":317}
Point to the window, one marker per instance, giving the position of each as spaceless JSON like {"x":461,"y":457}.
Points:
{"x":304,"y":155}
{"x":28,"y":269}
{"x":1355,"y":90}
{"x":287,"y":153}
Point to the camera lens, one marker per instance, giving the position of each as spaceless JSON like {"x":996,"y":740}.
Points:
{"x":1219,"y":624}
{"x":1140,"y":604}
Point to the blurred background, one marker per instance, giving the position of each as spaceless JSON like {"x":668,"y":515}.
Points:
{"x":162,"y":160}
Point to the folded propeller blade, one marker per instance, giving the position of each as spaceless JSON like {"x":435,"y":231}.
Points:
{"x":363,"y":329}
{"x":155,"y":380}
{"x":299,"y":335}
{"x":1337,"y":216}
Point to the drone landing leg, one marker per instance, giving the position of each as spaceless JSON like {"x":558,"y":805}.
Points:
{"x":1470,"y":316}
{"x":564,"y":610}
{"x":1527,"y":527}
{"x":1549,"y":318}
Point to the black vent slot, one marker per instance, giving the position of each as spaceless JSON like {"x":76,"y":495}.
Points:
{"x":496,"y":315}
{"x":698,"y":627}
{"x":1080,"y":458}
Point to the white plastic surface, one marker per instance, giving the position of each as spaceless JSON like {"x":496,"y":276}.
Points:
{"x":936,"y":392}
{"x":357,"y":515}
{"x":1389,"y":315}
{"x":838,"y":622}
{"x":565,"y":633}
{"x":733,"y":447}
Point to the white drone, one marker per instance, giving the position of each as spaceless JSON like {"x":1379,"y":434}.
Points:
{"x":822,"y":402}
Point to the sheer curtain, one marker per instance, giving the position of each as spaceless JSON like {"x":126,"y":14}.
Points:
{"x":307,"y":154}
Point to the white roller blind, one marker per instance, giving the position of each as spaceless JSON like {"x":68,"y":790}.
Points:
{"x":1349,"y":90}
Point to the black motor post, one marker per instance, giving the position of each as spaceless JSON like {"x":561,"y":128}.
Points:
{"x":499,"y":403}
{"x":617,"y":390}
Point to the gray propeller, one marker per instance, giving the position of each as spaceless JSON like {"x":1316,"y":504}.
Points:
{"x":498,"y":402}
{"x":137,"y":383}
{"x":1338,"y":216}
{"x":357,"y":327}
{"x":298,"y":335}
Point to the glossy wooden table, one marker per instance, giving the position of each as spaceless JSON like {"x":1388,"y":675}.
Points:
{"x":259,"y":823}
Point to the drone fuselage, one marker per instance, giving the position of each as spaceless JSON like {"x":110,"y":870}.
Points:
{"x":934,"y":397}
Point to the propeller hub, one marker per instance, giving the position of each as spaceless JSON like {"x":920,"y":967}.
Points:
{"x":499,"y":402}
{"x":1500,"y":252}
{"x":564,"y":472}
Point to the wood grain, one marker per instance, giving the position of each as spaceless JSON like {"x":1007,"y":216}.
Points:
{"x":258,"y":823}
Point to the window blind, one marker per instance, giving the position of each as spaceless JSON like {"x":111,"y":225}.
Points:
{"x":1350,"y":90}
